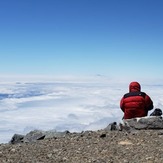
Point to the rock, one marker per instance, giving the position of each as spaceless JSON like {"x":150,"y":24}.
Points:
{"x":50,"y":155}
{"x":156,"y":112}
{"x":33,"y":136}
{"x":16,"y":139}
{"x":13,"y":150}
{"x":112,"y":126}
{"x":103,"y":135}
{"x":126,"y":142}
{"x":152,"y":122}
{"x":52,"y":134}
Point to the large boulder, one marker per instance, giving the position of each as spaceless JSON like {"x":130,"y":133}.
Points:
{"x":17,"y":138}
{"x":34,"y":136}
{"x":152,"y":122}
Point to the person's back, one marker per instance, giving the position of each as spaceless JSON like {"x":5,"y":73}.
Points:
{"x":135,"y":103}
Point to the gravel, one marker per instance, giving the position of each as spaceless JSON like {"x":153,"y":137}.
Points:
{"x":139,"y":146}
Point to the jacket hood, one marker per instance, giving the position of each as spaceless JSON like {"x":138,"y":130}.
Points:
{"x":134,"y":87}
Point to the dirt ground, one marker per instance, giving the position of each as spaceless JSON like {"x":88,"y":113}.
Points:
{"x":140,"y":146}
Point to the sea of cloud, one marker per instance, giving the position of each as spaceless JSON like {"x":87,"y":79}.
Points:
{"x":63,"y":105}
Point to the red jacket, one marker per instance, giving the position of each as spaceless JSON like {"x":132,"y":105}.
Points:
{"x":135,"y":103}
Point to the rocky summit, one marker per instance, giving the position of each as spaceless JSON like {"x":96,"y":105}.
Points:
{"x":109,"y":145}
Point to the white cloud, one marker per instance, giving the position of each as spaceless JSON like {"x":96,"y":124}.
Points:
{"x":63,"y":105}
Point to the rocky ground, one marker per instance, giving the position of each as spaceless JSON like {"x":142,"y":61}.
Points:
{"x":139,"y":146}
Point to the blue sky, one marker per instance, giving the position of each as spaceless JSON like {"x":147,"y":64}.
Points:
{"x":114,"y":38}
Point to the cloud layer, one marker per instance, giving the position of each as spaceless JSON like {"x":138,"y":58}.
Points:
{"x":62,"y":106}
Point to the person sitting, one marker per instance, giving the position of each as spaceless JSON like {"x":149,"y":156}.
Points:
{"x":135,"y":103}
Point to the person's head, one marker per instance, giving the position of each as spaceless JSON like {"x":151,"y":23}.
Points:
{"x":134,"y":87}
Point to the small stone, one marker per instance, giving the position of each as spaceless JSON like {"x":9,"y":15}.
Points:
{"x":125,"y":142}
{"x":103,"y":135}
{"x":13,"y":150}
{"x":50,"y":155}
{"x":64,"y":159}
